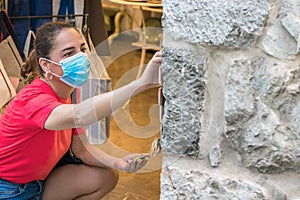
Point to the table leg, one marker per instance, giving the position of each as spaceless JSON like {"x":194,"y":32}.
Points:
{"x":122,"y":13}
{"x":142,"y":60}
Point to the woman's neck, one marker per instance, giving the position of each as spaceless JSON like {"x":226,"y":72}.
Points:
{"x":61,"y":89}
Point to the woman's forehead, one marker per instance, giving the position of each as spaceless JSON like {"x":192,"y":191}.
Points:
{"x":68,"y":38}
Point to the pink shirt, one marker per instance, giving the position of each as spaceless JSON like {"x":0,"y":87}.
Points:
{"x":27,"y":150}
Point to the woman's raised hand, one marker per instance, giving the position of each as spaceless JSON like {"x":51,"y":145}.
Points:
{"x":151,"y":75}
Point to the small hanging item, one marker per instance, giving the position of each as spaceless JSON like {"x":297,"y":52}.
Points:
{"x":156,"y":147}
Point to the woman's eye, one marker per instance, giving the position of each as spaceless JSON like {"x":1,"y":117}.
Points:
{"x":68,"y":54}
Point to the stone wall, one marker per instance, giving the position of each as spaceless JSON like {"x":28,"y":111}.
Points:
{"x":231,"y":123}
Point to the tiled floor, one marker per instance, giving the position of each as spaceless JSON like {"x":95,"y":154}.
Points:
{"x":132,"y":130}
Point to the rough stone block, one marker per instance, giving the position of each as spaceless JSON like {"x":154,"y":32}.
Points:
{"x":223,"y":22}
{"x":198,"y":185}
{"x":183,"y":89}
{"x":261,"y":105}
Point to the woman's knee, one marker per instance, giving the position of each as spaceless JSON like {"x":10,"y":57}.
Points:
{"x":111,"y":178}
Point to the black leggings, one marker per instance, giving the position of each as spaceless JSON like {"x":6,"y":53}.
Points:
{"x":68,"y":158}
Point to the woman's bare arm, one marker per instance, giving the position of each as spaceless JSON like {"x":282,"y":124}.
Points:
{"x":95,"y":108}
{"x":94,"y":156}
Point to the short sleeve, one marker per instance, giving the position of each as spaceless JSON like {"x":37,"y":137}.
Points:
{"x":39,"y":108}
{"x":78,"y":131}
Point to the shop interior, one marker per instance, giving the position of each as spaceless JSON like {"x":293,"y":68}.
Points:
{"x":126,"y":34}
{"x":140,"y":186}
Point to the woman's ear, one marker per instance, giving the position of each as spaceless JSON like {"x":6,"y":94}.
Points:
{"x":44,"y":64}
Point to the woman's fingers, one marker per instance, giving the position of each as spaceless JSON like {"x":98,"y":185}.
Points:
{"x":157,"y":58}
{"x":136,"y":162}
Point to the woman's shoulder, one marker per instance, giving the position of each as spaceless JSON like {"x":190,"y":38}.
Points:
{"x":38,"y":86}
{"x":36,"y":91}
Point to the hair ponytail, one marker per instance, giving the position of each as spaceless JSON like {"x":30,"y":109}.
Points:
{"x":30,"y":70}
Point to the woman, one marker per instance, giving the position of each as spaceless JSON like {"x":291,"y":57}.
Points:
{"x":43,"y":152}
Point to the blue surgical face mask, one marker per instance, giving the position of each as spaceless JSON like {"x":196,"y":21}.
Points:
{"x":76,"y":69}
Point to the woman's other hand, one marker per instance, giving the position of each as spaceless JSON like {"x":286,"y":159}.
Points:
{"x":132,"y":162}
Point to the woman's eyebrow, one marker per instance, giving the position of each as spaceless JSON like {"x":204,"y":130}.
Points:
{"x":68,"y":49}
